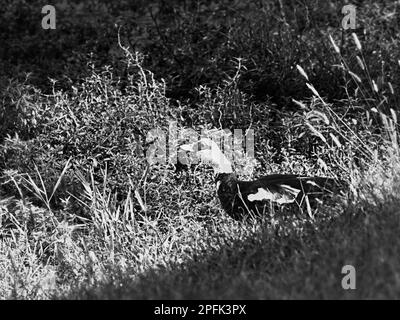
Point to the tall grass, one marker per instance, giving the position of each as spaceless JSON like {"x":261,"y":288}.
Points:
{"x":83,"y":215}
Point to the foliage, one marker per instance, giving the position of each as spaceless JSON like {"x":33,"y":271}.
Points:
{"x":83,"y":214}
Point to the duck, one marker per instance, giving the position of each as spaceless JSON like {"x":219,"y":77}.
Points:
{"x":255,"y":198}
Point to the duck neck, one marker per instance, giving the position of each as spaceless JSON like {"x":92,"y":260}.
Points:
{"x":222,"y":165}
{"x":220,"y":162}
{"x":224,"y":177}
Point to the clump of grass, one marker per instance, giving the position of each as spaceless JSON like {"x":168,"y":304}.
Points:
{"x":83,"y":215}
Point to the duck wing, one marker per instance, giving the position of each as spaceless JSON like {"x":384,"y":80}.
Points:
{"x":283,"y":189}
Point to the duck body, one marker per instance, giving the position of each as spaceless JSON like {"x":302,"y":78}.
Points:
{"x":258,"y":197}
{"x":241,"y":199}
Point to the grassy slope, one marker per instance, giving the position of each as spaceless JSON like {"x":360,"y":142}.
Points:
{"x":186,"y":247}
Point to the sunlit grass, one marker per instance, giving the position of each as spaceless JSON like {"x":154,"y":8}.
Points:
{"x":83,"y":215}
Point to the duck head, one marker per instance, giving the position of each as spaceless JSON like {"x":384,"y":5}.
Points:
{"x":209,"y":153}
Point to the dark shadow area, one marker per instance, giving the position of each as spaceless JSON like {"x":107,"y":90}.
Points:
{"x":190,"y":44}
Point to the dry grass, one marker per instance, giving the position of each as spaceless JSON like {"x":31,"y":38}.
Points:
{"x":80,"y":219}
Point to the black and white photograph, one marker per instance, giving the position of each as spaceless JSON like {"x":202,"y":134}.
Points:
{"x":221,"y":152}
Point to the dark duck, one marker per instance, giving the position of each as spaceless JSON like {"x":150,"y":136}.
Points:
{"x":241,"y":199}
